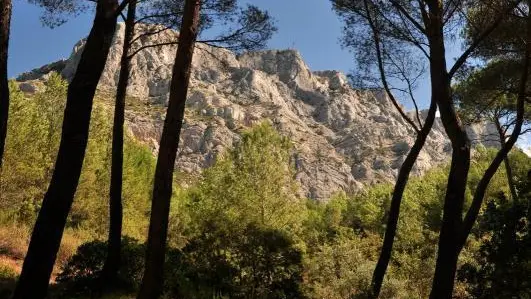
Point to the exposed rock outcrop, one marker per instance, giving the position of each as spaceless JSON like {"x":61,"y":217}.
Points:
{"x":344,"y":138}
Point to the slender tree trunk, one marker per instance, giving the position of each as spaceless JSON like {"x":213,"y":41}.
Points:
{"x":446,"y":265}
{"x":405,"y":169}
{"x":455,"y":230}
{"x":152,"y":281}
{"x":48,"y":230}
{"x":508,"y":168}
{"x":481,"y":189}
{"x":398,"y":192}
{"x":109,"y":274}
{"x":5,"y":24}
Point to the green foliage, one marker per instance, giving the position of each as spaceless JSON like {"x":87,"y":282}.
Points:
{"x":503,"y":264}
{"x":31,"y":143}
{"x":79,"y":276}
{"x":345,"y":234}
{"x":253,"y":183}
{"x":31,"y":147}
{"x":243,"y":220}
{"x":242,"y":230}
{"x":256,"y":263}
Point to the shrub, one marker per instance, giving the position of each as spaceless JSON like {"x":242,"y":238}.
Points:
{"x":79,"y":276}
{"x":259,"y":263}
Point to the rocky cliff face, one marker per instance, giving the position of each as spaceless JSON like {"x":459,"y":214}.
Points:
{"x":344,"y":138}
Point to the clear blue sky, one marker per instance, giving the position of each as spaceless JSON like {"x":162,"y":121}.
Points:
{"x":310,"y":26}
{"x":307,"y":25}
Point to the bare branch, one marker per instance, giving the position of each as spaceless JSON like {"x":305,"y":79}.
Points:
{"x":408,"y":16}
{"x":148,"y":33}
{"x":382,"y":70}
{"x":151,"y":46}
{"x":122,"y":6}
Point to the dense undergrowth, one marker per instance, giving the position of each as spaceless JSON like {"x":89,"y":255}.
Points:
{"x":243,"y":230}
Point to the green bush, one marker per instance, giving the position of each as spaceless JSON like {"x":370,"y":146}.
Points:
{"x":257,"y":263}
{"x":79,"y":276}
{"x":502,"y":266}
{"x":33,"y":137}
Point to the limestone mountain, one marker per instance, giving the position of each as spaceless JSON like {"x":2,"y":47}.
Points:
{"x":343,"y":138}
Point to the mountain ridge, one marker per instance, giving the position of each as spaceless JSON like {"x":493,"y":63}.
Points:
{"x":344,"y":138}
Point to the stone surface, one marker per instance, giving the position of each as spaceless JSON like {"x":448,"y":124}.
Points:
{"x":344,"y":138}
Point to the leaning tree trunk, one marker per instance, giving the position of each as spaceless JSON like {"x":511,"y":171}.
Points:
{"x":5,"y":23}
{"x":48,"y":230}
{"x":394,"y":212}
{"x":448,"y":252}
{"x":481,"y":189}
{"x":405,"y":169}
{"x":455,"y":230}
{"x":112,"y":263}
{"x":152,"y":281}
{"x":508,"y":169}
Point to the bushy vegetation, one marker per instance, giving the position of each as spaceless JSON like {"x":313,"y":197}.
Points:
{"x":31,"y":148}
{"x":244,"y":230}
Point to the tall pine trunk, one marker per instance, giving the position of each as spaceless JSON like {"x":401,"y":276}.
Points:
{"x":152,"y":282}
{"x":48,"y":230}
{"x":448,"y":251}
{"x":112,"y":263}
{"x":396,"y":200}
{"x":5,"y":24}
{"x":405,"y":169}
{"x":454,"y":229}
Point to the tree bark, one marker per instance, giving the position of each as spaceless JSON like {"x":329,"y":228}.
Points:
{"x":405,"y":169}
{"x":112,"y":263}
{"x":446,"y":265}
{"x":5,"y":24}
{"x":455,"y":230}
{"x":396,"y":200}
{"x":481,"y":189}
{"x":152,"y":282}
{"x":508,"y":168}
{"x":48,"y":230}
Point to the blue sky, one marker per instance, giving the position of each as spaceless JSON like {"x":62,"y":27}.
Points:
{"x":307,"y":25}
{"x":310,"y":26}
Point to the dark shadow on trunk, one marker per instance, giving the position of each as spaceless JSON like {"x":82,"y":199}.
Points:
{"x":455,"y":230}
{"x":109,"y":275}
{"x":5,"y":24}
{"x":152,"y":282}
{"x":48,"y":230}
{"x":443,"y":281}
{"x":483,"y":184}
{"x":396,"y":200}
{"x":405,"y":169}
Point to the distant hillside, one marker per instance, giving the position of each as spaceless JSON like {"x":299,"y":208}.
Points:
{"x":344,"y":138}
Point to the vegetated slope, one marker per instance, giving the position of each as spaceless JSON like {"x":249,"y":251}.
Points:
{"x":344,"y":138}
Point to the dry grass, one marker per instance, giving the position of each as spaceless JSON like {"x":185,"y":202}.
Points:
{"x":14,"y":241}
{"x":69,"y":244}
